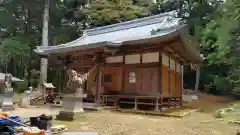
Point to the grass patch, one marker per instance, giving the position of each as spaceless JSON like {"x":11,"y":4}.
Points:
{"x":232,"y":113}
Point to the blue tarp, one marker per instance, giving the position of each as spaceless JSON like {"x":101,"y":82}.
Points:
{"x":6,"y":122}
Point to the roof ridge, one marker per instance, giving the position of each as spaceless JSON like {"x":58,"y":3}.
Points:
{"x":129,"y":24}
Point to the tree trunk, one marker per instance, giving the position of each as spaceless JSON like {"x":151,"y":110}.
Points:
{"x":44,"y":62}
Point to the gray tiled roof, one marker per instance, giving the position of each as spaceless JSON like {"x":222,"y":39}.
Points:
{"x":116,"y":34}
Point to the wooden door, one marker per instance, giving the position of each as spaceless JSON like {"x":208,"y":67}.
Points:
{"x":150,"y":80}
{"x":132,"y":79}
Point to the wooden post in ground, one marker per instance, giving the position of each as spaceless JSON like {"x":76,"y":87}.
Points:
{"x":135,"y":103}
{"x":197,"y":77}
{"x":157,"y":104}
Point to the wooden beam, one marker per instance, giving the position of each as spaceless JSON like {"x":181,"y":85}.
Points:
{"x":155,"y":64}
{"x":178,"y":53}
{"x":139,"y":50}
{"x":172,"y":54}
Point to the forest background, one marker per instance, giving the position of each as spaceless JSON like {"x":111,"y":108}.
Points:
{"x":214,"y":24}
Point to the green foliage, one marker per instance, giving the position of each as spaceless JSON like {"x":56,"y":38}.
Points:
{"x":107,"y":12}
{"x":12,"y":48}
{"x":34,"y":79}
{"x":214,"y":24}
{"x":218,"y":47}
{"x":220,"y":113}
{"x":20,"y":87}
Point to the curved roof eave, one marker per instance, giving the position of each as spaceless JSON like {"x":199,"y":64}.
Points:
{"x":194,"y":54}
{"x":61,"y":49}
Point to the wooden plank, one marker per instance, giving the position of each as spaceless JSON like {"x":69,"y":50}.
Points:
{"x":150,"y":80}
{"x":116,"y":78}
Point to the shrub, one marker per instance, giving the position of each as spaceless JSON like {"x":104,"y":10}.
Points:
{"x":20,"y":87}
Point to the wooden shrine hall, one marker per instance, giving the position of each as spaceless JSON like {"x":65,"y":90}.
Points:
{"x":140,"y":61}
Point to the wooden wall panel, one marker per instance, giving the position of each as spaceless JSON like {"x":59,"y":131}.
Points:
{"x":165,"y":60}
{"x":172,"y":64}
{"x":172,"y":82}
{"x":116,"y":59}
{"x":116,"y":74}
{"x":132,"y":59}
{"x":178,"y":85}
{"x":165,"y":81}
{"x":178,"y":80}
{"x":150,"y":79}
{"x":130,"y":87}
{"x":178,"y":67}
{"x":150,"y":57}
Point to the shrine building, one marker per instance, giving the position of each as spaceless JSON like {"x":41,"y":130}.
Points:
{"x":140,"y":61}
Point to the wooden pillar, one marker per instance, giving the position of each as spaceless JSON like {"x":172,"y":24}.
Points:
{"x":182,"y":73}
{"x":100,"y":61}
{"x":182,"y":88}
{"x":99,"y":84}
{"x":197,"y":77}
{"x":160,"y":73}
{"x":123,"y":74}
{"x":169,"y":82}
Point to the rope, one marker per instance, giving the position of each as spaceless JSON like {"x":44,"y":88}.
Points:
{"x":82,"y":77}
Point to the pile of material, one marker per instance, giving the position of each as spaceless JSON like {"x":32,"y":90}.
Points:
{"x":8,"y":123}
{"x":41,"y":125}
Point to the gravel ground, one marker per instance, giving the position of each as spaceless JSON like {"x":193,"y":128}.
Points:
{"x":113,"y":123}
{"x":110,"y":123}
